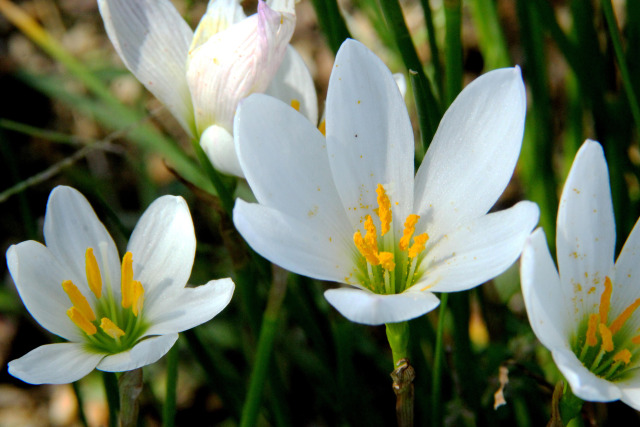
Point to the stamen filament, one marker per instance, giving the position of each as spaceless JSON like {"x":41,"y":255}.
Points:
{"x":81,"y":321}
{"x":78,"y":300}
{"x":605,"y":300}
{"x":93,"y":273}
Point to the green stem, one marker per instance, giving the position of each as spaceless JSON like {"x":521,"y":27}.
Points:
{"x":226,"y":197}
{"x":169,"y":408}
{"x":614,"y":33}
{"x":403,"y":374}
{"x":398,"y":336}
{"x":80,"y":399}
{"x":452,"y":50}
{"x":433,"y":46}
{"x":491,"y":39}
{"x":331,"y":22}
{"x":113,"y":401}
{"x":437,"y":363}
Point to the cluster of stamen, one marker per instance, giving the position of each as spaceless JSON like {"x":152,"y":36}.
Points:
{"x":389,"y":270}
{"x":84,"y":316}
{"x":597,"y":351}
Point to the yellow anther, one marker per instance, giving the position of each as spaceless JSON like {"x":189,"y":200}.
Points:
{"x":81,"y":321}
{"x":624,"y":316}
{"x":322,"y":127}
{"x":111,"y":328}
{"x":622,"y":356}
{"x":126,"y":280}
{"x":138,"y":298}
{"x":607,"y":341}
{"x":636,"y":339}
{"x":365,"y":249}
{"x":605,"y":300}
{"x":93,"y":273}
{"x":409,"y":228}
{"x":370,"y":239}
{"x":384,"y":210}
{"x":594,"y":320}
{"x":386,"y":261}
{"x":78,"y":300}
{"x":295,"y":104}
{"x":419,"y":243}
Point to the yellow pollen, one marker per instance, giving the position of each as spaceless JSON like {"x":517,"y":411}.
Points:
{"x":607,"y":341}
{"x":138,"y":298}
{"x":384,"y":211}
{"x":126,"y":280}
{"x":323,"y":127}
{"x":409,"y":228}
{"x":78,"y":300}
{"x":418,"y":246}
{"x":592,"y":340}
{"x":370,"y":238}
{"x":81,"y":321}
{"x":605,"y":300}
{"x":365,"y":250}
{"x":622,"y":356}
{"x":111,"y":328}
{"x":295,"y":104}
{"x":624,"y":316}
{"x":93,"y":273}
{"x":386,"y":260}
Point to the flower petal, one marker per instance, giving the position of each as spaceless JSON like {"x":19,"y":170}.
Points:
{"x":220,"y":15}
{"x":70,"y":227}
{"x":369,"y":134}
{"x":475,"y":253}
{"x":235,"y":63}
{"x":55,"y":364}
{"x":293,"y":82}
{"x":584,"y":384}
{"x":153,"y":41}
{"x":473,"y":154}
{"x":544,"y":296}
{"x":38,"y":277}
{"x":363,"y":306}
{"x":630,"y":390}
{"x":163,"y":246}
{"x":189,"y":307}
{"x":144,"y":353}
{"x":585,"y":237}
{"x":625,"y":280}
{"x":219,"y":147}
{"x":303,"y":247}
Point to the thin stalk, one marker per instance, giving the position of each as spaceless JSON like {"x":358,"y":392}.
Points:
{"x":113,"y":400}
{"x":491,"y":38}
{"x":226,"y":197}
{"x":403,"y":377}
{"x":436,"y":398}
{"x":80,"y":399}
{"x":614,"y":33}
{"x":452,"y":50}
{"x":433,"y":46}
{"x":169,"y":408}
{"x":331,"y":22}
{"x":130,"y":386}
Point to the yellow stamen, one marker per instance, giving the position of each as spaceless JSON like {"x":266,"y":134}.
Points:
{"x":322,"y":127}
{"x":624,"y":316}
{"x":111,"y":328}
{"x":386,"y":260}
{"x":623,"y":355}
{"x":592,"y":340}
{"x":409,"y":229}
{"x":295,"y":104}
{"x":418,"y":246}
{"x":370,"y":239}
{"x":636,"y":339}
{"x":78,"y":300}
{"x":93,"y":273}
{"x":365,"y":249}
{"x":138,"y":298}
{"x":384,"y":210}
{"x":81,"y":321}
{"x":607,"y":341}
{"x":605,"y":300}
{"x":126,"y":280}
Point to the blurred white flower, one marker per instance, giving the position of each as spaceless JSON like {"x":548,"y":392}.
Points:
{"x":117,"y":316}
{"x":347,"y":208}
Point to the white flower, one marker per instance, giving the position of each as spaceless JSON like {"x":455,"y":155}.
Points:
{"x":325,"y":204}
{"x":116,"y":316}
{"x":200,"y":77}
{"x":586,"y":314}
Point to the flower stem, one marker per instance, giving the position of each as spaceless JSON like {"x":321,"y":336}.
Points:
{"x":565,"y":405}
{"x":130,"y":386}
{"x":398,"y":336}
{"x":169,"y":408}
{"x":403,"y":377}
{"x":437,"y":363}
{"x":111,"y":391}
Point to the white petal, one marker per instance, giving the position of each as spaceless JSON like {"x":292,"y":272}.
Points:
{"x":473,"y":154}
{"x":153,"y":41}
{"x":305,"y":248}
{"x":220,"y":15}
{"x":189,"y":307}
{"x":70,"y":227}
{"x":548,"y":302}
{"x":631,"y":391}
{"x":625,"y":280}
{"x":282,"y":5}
{"x":363,"y":306}
{"x":235,"y":63}
{"x":219,"y":147}
{"x":293,"y":82}
{"x":473,"y":254}
{"x":38,"y":277}
{"x":401,"y":81}
{"x":144,"y":353}
{"x":585,"y":238}
{"x":369,"y":135}
{"x":55,"y":364}
{"x":584,"y":383}
{"x":163,"y":246}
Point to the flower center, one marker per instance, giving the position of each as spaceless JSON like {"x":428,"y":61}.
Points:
{"x":387,"y":268}
{"x":112,"y":327}
{"x":601,"y":348}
